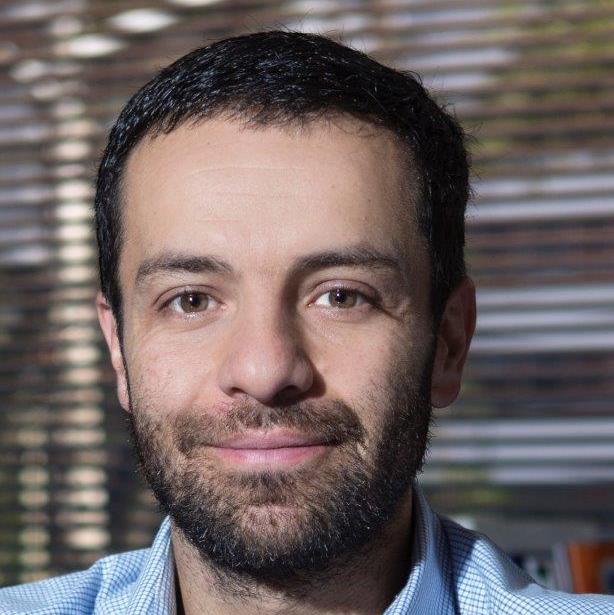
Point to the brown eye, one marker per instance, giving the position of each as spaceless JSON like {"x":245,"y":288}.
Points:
{"x":188,"y":303}
{"x":342,"y":298}
{"x":339,"y":297}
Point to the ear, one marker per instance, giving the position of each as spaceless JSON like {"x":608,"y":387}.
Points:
{"x":453,"y":339}
{"x":108,"y":325}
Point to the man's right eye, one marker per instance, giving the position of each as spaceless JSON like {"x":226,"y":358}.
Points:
{"x":190,"y":302}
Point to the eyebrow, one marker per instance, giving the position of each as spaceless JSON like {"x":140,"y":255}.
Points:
{"x":174,"y":262}
{"x":353,"y":256}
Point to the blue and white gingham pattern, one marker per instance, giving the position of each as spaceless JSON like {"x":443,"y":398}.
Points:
{"x":454,"y":572}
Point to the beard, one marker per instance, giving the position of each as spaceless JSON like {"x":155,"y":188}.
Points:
{"x":279,"y":526}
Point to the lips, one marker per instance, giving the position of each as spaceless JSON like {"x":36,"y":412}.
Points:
{"x":271,"y":449}
{"x":271,"y":440}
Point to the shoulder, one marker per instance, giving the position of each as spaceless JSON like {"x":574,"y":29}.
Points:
{"x":77,"y":593}
{"x":487,"y":581}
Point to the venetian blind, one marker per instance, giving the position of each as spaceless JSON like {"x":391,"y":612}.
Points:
{"x":533,"y":82}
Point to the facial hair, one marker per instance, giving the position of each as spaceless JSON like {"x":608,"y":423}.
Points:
{"x":276,"y":526}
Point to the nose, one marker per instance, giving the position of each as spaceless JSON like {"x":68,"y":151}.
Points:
{"x":264,"y":359}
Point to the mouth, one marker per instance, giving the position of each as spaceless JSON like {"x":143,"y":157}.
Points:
{"x":273,"y":449}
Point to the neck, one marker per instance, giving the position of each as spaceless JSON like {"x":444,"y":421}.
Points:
{"x":364,"y":584}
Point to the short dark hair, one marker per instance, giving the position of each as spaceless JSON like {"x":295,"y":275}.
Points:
{"x":279,"y":78}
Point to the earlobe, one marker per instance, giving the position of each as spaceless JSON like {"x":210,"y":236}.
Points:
{"x":108,"y":324}
{"x":453,"y":340}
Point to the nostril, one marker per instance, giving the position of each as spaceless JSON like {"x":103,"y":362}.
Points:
{"x":289,"y":394}
{"x":265,"y":365}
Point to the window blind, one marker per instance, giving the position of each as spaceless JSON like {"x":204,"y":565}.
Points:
{"x":532,"y":82}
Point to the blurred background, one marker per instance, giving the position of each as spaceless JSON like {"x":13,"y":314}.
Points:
{"x":526,"y":455}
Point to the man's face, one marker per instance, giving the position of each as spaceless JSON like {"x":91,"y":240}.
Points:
{"x":277,"y":336}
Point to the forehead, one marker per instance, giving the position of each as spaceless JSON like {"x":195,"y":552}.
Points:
{"x":218,"y":186}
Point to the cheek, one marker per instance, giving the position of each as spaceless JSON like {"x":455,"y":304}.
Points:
{"x":363,"y":360}
{"x":363,"y":374}
{"x":169,"y":377}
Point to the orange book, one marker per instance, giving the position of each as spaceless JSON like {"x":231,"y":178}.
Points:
{"x":592,"y":567}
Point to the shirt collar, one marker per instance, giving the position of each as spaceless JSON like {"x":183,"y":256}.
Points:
{"x":155,"y":587}
{"x":429,"y":586}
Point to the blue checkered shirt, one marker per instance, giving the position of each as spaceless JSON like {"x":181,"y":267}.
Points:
{"x":454,"y":571}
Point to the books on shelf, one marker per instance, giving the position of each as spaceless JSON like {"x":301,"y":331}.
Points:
{"x":581,"y":560}
{"x":584,"y":567}
{"x":577,"y":567}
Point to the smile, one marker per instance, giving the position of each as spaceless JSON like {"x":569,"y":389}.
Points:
{"x":271,"y":449}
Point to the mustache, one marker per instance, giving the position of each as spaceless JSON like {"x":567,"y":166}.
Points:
{"x":333,"y":422}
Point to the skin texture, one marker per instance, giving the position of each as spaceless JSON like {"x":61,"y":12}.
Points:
{"x":266,"y":333}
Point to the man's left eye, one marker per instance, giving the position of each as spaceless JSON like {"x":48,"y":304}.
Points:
{"x":343,"y":298}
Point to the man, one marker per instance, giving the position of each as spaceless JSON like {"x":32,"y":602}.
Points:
{"x":281,"y":224}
